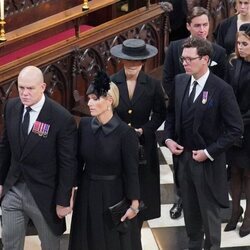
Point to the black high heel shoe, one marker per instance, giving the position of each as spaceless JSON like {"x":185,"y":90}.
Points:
{"x":231,"y":225}
{"x":245,"y":228}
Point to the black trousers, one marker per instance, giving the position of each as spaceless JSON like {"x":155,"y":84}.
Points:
{"x":201,"y":211}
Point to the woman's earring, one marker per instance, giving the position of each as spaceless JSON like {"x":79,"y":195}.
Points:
{"x":108,"y":108}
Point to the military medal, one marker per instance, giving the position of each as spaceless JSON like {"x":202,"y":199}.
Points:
{"x":204,"y":97}
{"x":41,"y":129}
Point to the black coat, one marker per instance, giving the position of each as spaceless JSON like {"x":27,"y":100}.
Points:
{"x":173,"y":66}
{"x":108,"y":150}
{"x":238,"y":76}
{"x":217,"y":124}
{"x":225,"y":34}
{"x":48,"y":164}
{"x":146,"y":110}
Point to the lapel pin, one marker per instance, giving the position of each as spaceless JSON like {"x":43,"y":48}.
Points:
{"x":204,"y":97}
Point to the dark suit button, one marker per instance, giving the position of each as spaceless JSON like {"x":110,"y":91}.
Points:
{"x":130,"y":111}
{"x":129,"y":124}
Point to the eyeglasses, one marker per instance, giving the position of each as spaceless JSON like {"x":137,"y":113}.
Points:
{"x":188,"y":59}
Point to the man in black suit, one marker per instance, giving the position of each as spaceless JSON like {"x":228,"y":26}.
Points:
{"x":37,"y":164}
{"x":198,"y":26}
{"x":203,"y":120}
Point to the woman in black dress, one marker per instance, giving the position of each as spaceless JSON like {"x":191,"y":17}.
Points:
{"x":225,"y":33}
{"x":142,"y":106}
{"x":108,"y":172}
{"x":238,"y":75}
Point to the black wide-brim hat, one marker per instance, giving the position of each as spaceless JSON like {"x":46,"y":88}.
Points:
{"x":134,"y":50}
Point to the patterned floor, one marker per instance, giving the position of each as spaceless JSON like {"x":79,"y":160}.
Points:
{"x":165,"y":233}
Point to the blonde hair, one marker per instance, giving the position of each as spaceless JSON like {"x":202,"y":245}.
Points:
{"x":114,"y":93}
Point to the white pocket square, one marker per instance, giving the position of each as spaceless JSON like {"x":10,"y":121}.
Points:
{"x":213,"y":63}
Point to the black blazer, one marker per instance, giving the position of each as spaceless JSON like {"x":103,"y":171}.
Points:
{"x":225,"y":34}
{"x":172,"y":65}
{"x":217,"y":124}
{"x":48,"y":164}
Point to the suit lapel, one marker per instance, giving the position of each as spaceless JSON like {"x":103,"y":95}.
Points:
{"x":180,"y":89}
{"x":16,"y":125}
{"x":139,"y":87}
{"x":123,"y":89}
{"x":33,"y":139}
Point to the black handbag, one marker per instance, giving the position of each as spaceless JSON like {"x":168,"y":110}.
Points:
{"x":118,"y":210}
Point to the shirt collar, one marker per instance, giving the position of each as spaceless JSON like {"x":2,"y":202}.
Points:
{"x":108,"y":127}
{"x":38,"y":106}
{"x":202,"y":80}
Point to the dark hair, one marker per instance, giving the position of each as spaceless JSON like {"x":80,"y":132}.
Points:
{"x":197,"y":11}
{"x":203,"y":46}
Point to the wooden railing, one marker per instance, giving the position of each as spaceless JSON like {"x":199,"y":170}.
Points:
{"x":70,"y":65}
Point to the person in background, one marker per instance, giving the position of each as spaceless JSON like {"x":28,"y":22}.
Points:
{"x":108,"y":173}
{"x":142,"y":106}
{"x":225,"y":33}
{"x":37,"y":164}
{"x":198,"y":26}
{"x":238,"y":157}
{"x":203,"y":120}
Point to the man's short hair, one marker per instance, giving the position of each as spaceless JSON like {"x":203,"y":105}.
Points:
{"x":197,"y":11}
{"x":203,"y":46}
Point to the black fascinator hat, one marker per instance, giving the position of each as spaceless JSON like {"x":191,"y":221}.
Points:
{"x":245,"y":28}
{"x":100,"y":86}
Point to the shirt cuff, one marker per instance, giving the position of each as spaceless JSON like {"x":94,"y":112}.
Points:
{"x":208,"y":155}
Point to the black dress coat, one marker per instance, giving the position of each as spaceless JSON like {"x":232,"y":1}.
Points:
{"x":225,"y":34}
{"x":238,"y":76}
{"x":217,"y":124}
{"x":173,"y":66}
{"x":47,"y":164}
{"x":146,"y":110}
{"x":108,"y":150}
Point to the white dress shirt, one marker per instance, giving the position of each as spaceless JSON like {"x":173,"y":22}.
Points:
{"x":36,"y":108}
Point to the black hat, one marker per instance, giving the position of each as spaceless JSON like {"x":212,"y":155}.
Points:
{"x":245,"y":28}
{"x":134,"y":50}
{"x":100,"y":86}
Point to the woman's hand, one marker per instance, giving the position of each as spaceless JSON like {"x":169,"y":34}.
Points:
{"x":132,"y":211}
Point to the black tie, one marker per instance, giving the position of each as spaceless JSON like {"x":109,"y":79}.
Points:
{"x":26,"y":122}
{"x":192,"y":94}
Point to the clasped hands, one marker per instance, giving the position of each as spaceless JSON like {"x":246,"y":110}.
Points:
{"x":62,"y":211}
{"x":177,"y":149}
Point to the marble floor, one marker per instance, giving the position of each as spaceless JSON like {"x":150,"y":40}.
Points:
{"x":163,"y":233}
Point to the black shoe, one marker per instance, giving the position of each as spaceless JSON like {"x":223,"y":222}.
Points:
{"x":175,"y":211}
{"x":245,"y":227}
{"x":231,"y":225}
{"x":244,"y":232}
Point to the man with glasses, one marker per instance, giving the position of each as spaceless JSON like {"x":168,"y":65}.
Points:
{"x":203,"y":120}
{"x":198,"y":26}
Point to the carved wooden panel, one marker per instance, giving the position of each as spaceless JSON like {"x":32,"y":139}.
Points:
{"x":68,"y":77}
{"x":22,"y":12}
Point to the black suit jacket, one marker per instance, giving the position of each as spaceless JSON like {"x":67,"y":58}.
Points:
{"x":225,"y":34}
{"x":217,"y":124}
{"x":172,"y":65}
{"x":48,"y":164}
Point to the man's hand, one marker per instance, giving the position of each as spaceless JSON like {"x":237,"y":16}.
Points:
{"x":199,"y":155}
{"x":1,"y":190}
{"x":174,"y":147}
{"x":63,"y":211}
